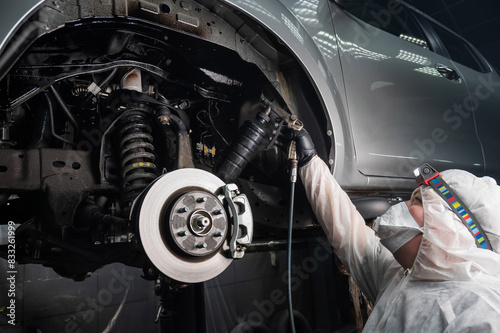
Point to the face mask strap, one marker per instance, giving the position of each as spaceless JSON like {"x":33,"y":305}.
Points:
{"x":427,"y":175}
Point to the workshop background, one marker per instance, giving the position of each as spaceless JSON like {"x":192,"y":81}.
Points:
{"x":116,"y":299}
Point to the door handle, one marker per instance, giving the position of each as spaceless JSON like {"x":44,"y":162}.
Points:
{"x":447,"y":72}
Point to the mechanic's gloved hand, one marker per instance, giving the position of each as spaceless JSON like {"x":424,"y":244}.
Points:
{"x":304,"y":144}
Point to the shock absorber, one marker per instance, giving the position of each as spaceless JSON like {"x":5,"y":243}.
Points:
{"x":137,"y":154}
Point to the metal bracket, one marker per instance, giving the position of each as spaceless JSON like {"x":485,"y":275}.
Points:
{"x":424,"y":174}
{"x":242,"y":221}
{"x":290,"y":119}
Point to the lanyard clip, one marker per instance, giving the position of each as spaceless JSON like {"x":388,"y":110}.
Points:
{"x":425,"y":173}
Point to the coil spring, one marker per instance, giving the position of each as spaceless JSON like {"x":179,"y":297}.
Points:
{"x":137,"y":155}
{"x":79,"y":90}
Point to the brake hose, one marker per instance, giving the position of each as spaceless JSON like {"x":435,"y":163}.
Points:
{"x":292,"y":157}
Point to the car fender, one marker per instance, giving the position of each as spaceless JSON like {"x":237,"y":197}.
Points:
{"x":14,"y":15}
{"x":313,"y":44}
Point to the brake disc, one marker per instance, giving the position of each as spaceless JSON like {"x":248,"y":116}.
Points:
{"x":183,"y":226}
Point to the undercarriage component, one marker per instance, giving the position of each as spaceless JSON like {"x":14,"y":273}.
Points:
{"x":198,"y":223}
{"x":242,"y":221}
{"x":138,"y":167}
{"x":183,"y":225}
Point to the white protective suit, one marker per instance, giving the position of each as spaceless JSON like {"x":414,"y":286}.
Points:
{"x":453,"y":285}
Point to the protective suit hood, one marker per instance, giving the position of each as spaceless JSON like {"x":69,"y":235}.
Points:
{"x":448,"y":250}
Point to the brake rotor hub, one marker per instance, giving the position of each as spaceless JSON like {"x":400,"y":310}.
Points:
{"x":198,"y":223}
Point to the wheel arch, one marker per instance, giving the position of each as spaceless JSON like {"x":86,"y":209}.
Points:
{"x":282,"y":23}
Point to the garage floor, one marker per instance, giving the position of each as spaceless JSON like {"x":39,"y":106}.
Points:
{"x":250,"y":296}
{"x":113,"y":299}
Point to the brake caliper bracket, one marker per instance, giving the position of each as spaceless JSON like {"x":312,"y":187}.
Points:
{"x":242,"y":218}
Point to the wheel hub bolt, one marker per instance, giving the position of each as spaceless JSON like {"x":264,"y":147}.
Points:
{"x":201,"y":245}
{"x":184,"y":210}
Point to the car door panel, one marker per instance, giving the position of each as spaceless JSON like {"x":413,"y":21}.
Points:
{"x":402,"y":109}
{"x":482,"y":109}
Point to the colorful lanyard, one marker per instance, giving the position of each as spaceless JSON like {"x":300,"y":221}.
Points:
{"x":429,"y":176}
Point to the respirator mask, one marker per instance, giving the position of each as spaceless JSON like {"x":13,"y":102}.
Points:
{"x":396,"y":227}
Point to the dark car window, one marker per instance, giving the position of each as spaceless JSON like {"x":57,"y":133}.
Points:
{"x":458,"y":49}
{"x":392,"y":17}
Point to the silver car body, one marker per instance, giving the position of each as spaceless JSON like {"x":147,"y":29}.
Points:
{"x":388,"y":109}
